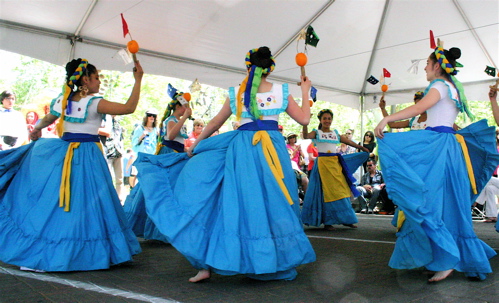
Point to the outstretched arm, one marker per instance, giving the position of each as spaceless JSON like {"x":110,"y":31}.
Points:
{"x":301,"y":114}
{"x":493,"y":102}
{"x":213,"y":125}
{"x":397,"y":124}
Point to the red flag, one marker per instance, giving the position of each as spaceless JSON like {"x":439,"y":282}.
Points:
{"x":386,"y":73}
{"x":433,"y":45}
{"x":125,"y":26}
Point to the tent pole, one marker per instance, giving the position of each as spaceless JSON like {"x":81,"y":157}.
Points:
{"x":362,"y":101}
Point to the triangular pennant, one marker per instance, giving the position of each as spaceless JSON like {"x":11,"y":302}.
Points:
{"x":433,"y":45}
{"x":311,"y":38}
{"x":313,"y":93}
{"x":491,"y":71}
{"x":386,"y":73}
{"x":372,"y":80}
{"x":125,"y":26}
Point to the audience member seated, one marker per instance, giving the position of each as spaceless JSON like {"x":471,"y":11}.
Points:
{"x":370,"y":187}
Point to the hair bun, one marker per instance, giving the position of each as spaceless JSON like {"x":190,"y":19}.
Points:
{"x":455,"y":53}
{"x":264,"y":53}
{"x":72,"y":66}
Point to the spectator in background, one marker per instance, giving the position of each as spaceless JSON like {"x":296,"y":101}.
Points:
{"x":294,"y":150}
{"x":128,"y":159}
{"x":370,"y":145}
{"x":145,"y":136}
{"x":345,"y":149}
{"x":113,"y":150}
{"x":370,"y":186}
{"x":51,"y":130}
{"x":31,"y":120}
{"x":197,"y":128}
{"x":312,"y":155}
{"x":12,"y":123}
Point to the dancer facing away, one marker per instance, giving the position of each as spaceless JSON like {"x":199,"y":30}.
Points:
{"x":59,"y":210}
{"x":331,"y":183}
{"x":173,"y":133}
{"x":427,"y":176}
{"x":495,"y":110}
{"x":243,"y":216}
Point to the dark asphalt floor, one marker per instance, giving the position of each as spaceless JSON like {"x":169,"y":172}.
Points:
{"x":351,"y":266}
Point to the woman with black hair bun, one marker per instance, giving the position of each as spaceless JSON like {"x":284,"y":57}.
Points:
{"x":235,"y":207}
{"x":59,"y":210}
{"x":434,"y":176}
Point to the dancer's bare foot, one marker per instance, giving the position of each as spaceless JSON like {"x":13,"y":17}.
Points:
{"x":328,"y":227}
{"x":440,"y":275}
{"x":203,"y":274}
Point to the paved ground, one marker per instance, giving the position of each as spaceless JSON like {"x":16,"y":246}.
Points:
{"x":351,"y":266}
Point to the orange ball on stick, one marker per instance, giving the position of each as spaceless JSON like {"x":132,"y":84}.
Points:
{"x":301,"y":59}
{"x":311,"y":102}
{"x":384,"y":88}
{"x":133,"y":46}
{"x":187,"y":96}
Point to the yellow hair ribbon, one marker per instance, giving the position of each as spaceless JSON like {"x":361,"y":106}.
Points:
{"x":467,"y":159}
{"x":239,"y":100}
{"x":59,"y":127}
{"x":272,"y":160}
{"x":65,"y":188}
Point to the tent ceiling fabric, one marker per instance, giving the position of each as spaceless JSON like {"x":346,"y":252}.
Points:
{"x":208,"y":39}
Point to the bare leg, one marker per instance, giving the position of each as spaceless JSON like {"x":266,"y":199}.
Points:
{"x":440,"y":275}
{"x":203,"y":274}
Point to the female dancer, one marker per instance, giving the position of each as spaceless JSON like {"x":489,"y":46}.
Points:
{"x":331,"y":184}
{"x":172,"y":135}
{"x":414,"y":123}
{"x":84,"y":227}
{"x":242,"y":217}
{"x":433,"y":179}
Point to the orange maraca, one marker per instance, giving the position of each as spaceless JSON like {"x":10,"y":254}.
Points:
{"x":301,"y":60}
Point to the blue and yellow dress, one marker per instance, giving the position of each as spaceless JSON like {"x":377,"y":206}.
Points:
{"x":135,"y":209}
{"x":327,"y":200}
{"x":434,"y":176}
{"x":234,"y":208}
{"x":79,"y":226}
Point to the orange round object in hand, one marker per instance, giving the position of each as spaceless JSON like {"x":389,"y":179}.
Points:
{"x":301,"y":59}
{"x":133,"y":46}
{"x":187,"y":96}
{"x":384,"y":88}
{"x":311,"y":102}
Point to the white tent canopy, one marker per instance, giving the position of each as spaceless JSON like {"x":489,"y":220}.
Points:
{"x":208,"y":39}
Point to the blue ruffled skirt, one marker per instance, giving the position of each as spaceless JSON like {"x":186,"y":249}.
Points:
{"x":36,"y":233}
{"x":135,"y":211}
{"x":227,"y":212}
{"x":316,"y":211}
{"x":427,"y":178}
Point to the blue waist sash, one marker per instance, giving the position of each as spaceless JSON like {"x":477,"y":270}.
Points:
{"x":76,"y":137}
{"x":175,"y":145}
{"x":344,"y":169}
{"x":260,"y":125}
{"x":441,"y":129}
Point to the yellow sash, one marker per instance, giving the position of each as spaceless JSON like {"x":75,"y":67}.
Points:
{"x":272,"y":160}
{"x":334,"y":184}
{"x":65,"y":188}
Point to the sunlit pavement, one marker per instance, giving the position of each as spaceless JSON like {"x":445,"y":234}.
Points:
{"x":351,"y":266}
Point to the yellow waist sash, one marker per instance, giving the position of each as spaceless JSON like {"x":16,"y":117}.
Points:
{"x":65,"y":188}
{"x":272,"y":160}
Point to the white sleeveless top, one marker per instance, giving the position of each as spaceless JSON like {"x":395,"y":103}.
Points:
{"x":84,"y":118}
{"x":445,"y":111}
{"x":271,"y":103}
{"x":326,"y":142}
